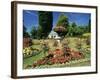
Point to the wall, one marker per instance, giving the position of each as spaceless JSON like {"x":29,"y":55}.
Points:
{"x":5,"y":40}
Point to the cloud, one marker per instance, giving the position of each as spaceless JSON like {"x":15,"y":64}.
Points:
{"x":31,"y":13}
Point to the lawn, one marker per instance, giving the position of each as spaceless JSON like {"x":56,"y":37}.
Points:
{"x":33,"y":59}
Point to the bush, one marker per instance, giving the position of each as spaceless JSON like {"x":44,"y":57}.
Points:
{"x":36,"y":42}
{"x":86,"y":35}
{"x":28,"y":52}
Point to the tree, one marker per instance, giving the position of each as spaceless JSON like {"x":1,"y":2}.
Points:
{"x":74,"y":30}
{"x":60,"y":30}
{"x":89,"y":26}
{"x":33,"y":33}
{"x":45,"y":21}
{"x":61,"y":26}
{"x":74,"y":25}
{"x":39,"y":32}
{"x":69,"y":31}
{"x":25,"y":33}
{"x":79,"y":31}
{"x":63,"y":21}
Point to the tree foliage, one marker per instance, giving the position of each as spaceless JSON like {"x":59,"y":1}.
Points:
{"x":62,"y":21}
{"x":39,"y":32}
{"x":25,"y":33}
{"x":61,"y":26}
{"x":33,"y":33}
{"x":89,"y":26}
{"x":45,"y":21}
{"x":75,"y":30}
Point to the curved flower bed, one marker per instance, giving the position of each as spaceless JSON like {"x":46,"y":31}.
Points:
{"x":58,"y":57}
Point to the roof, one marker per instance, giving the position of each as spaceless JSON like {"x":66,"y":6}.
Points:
{"x":53,"y":33}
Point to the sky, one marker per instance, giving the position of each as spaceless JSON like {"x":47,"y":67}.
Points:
{"x":30,"y":18}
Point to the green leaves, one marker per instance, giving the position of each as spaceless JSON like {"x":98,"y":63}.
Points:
{"x":61,"y":26}
{"x":45,"y":21}
{"x":62,"y":21}
{"x":33,"y":33}
{"x":25,"y":33}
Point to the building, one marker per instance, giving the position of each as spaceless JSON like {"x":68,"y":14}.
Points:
{"x":53,"y":35}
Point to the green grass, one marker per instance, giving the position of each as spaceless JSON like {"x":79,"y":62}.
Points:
{"x":31,"y":60}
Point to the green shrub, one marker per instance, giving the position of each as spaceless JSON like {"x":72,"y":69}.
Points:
{"x":86,"y":35}
{"x":36,"y":42}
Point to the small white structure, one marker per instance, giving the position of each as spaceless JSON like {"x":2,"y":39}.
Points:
{"x":53,"y":35}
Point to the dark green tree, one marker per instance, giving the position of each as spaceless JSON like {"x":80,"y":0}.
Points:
{"x":33,"y":33}
{"x":25,"y":33}
{"x":74,"y":25}
{"x":39,"y":32}
{"x":89,"y":26}
{"x":45,"y":21}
